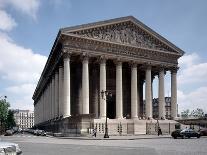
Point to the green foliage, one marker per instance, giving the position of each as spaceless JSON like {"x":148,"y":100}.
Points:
{"x":185,"y":113}
{"x":4,"y":106}
{"x":10,"y":122}
{"x":5,"y":116}
{"x":197,"y":113}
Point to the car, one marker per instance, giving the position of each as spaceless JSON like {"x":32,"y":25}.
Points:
{"x":9,"y":148}
{"x":185,"y":133}
{"x":175,"y":134}
{"x":189,"y":133}
{"x":203,"y":132}
{"x":9,"y":132}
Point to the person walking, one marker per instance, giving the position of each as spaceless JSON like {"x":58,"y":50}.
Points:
{"x":159,"y":131}
{"x":94,"y":132}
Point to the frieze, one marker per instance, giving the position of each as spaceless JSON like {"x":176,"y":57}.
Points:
{"x":125,"y":34}
{"x":123,"y":51}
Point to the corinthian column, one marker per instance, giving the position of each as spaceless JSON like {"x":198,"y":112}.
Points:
{"x":119,"y":98}
{"x":148,"y":93}
{"x":60,"y":91}
{"x":161,"y":94}
{"x":85,"y":86}
{"x":174,"y":93}
{"x":53,"y":96}
{"x":134,"y":106}
{"x":56,"y":94}
{"x":66,"y":86}
{"x":102,"y":87}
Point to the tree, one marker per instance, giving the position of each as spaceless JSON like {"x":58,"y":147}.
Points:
{"x":4,"y":105}
{"x":185,"y":113}
{"x":10,"y":122}
{"x":198,"y":113}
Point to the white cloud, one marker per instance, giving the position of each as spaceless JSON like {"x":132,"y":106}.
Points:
{"x":21,"y":68}
{"x":28,"y":7}
{"x":192,"y":84}
{"x":192,"y":71}
{"x":193,"y":100}
{"x":7,"y":22}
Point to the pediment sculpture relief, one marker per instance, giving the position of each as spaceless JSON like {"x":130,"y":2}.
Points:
{"x":125,"y":34}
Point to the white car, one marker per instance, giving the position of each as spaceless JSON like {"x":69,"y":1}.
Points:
{"x":7,"y":148}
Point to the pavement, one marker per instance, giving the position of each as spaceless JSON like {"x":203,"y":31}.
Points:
{"x":122,"y":137}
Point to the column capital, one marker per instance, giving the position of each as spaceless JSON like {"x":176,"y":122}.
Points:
{"x":147,"y":65}
{"x":102,"y":59}
{"x":85,"y":56}
{"x":174,"y":69}
{"x":133,"y":64}
{"x":118,"y":61}
{"x":66,"y":53}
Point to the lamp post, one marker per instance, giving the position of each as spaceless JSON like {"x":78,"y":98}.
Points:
{"x":5,"y":97}
{"x":107,"y":94}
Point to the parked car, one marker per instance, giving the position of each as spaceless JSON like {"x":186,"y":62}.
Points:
{"x":9,"y":148}
{"x":9,"y":132}
{"x":203,"y":132}
{"x":40,"y":132}
{"x":175,"y":134}
{"x":189,"y":133}
{"x":185,"y":133}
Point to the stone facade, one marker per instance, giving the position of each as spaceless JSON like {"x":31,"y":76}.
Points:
{"x":116,"y":55}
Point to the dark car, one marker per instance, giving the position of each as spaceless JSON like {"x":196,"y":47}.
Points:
{"x":175,"y":134}
{"x":189,"y":133}
{"x":203,"y":132}
{"x":185,"y":133}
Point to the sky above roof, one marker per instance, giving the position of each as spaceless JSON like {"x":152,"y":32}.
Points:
{"x":28,"y":30}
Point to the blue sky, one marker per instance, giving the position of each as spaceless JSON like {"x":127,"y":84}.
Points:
{"x":28,"y":29}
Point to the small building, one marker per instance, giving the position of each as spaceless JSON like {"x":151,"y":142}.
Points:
{"x":24,"y":118}
{"x":155,"y":107}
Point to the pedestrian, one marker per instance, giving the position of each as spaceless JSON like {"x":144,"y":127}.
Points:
{"x":159,"y":131}
{"x":94,"y":132}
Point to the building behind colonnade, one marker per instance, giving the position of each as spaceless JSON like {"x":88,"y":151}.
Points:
{"x":117,"y":55}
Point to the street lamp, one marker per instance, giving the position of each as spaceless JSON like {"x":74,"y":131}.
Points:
{"x":107,"y":94}
{"x":5,"y":97}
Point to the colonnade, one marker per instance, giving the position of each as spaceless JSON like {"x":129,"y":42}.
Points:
{"x":54,"y":101}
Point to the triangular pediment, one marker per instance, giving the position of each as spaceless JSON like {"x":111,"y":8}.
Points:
{"x":127,"y":31}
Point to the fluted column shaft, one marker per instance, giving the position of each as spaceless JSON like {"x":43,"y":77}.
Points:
{"x":85,"y":86}
{"x":53,"y":96}
{"x":148,"y":93}
{"x":60,"y":105}
{"x":134,"y":106}
{"x":56,"y":94}
{"x":50,"y":99}
{"x":119,"y":98}
{"x":161,"y":95}
{"x":102,"y":87}
{"x":66,"y":97}
{"x":174,"y":94}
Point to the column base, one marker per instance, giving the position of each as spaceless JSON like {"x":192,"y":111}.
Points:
{"x":102,"y":117}
{"x":119,"y":118}
{"x":135,"y":117}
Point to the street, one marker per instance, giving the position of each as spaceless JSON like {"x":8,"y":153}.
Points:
{"x":37,"y":145}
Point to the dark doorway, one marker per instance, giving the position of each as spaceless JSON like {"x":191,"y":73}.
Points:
{"x":111,"y":107}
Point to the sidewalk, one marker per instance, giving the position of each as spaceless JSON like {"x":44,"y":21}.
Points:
{"x":132,"y":137}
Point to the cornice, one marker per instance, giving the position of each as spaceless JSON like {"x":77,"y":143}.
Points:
{"x":74,"y":41}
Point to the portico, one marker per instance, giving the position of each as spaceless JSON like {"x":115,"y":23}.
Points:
{"x":117,"y":55}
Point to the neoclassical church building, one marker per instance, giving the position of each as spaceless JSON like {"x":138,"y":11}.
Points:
{"x":98,"y":70}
